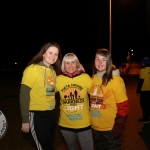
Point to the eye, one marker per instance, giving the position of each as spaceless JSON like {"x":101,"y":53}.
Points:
{"x":67,"y":63}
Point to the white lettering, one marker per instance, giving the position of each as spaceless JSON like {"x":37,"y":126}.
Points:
{"x":78,"y":107}
{"x":95,"y":106}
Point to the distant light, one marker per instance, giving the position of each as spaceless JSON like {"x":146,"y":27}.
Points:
{"x":131,"y":54}
{"x":15,"y":63}
{"x":132,"y":50}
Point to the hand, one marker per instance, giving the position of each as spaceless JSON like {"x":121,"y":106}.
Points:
{"x":25,"y":127}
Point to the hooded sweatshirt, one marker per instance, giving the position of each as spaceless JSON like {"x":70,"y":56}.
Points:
{"x":108,"y":104}
{"x":37,"y":92}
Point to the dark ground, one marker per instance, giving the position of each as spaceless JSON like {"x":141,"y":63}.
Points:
{"x":136,"y":136}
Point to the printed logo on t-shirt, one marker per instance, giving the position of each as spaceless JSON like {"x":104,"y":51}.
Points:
{"x":95,"y":113}
{"x":97,"y":97}
{"x":50,"y":86}
{"x":98,"y":100}
{"x":73,"y":101}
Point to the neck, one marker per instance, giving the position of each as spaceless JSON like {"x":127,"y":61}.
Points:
{"x":100,"y":74}
{"x":73,"y":74}
{"x":46,"y":64}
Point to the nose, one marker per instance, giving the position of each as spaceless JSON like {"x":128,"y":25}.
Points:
{"x":70,"y":64}
{"x":100,"y":62}
{"x":53,"y":55}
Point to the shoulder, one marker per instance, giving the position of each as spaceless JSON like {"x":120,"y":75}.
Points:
{"x":116,"y":82}
{"x":85,"y":75}
{"x":117,"y":79}
{"x":116,"y":72}
{"x":142,"y":70}
{"x":59,"y":77}
{"x":32,"y":66}
{"x":94,"y":76}
{"x":29,"y":68}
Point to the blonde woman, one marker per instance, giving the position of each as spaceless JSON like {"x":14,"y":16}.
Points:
{"x":73,"y":86}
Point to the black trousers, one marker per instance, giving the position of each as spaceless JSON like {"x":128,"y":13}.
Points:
{"x":42,"y":125}
{"x":145,"y":104}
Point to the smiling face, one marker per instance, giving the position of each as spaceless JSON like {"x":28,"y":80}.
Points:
{"x":100,"y":63}
{"x":70,"y":66}
{"x":50,"y":56}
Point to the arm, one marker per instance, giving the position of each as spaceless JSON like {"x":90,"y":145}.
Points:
{"x":24,"y":106}
{"x":121,"y":116}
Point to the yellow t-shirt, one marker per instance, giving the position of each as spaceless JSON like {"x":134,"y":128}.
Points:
{"x":41,"y":80}
{"x":145,"y":74}
{"x":74,"y":101}
{"x":103,"y":101}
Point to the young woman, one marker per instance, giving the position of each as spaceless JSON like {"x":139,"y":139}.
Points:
{"x":108,"y":103}
{"x":37,"y":95}
{"x":73,"y":86}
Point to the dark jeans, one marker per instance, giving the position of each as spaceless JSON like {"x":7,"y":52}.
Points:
{"x":103,"y":140}
{"x":145,"y":104}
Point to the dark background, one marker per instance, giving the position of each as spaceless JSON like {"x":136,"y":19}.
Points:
{"x":77,"y":26}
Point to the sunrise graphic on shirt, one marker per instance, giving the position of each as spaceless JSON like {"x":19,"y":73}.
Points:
{"x":72,"y":93}
{"x":50,"y":81}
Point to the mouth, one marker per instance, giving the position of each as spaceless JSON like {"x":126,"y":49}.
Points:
{"x":100,"y":66}
{"x":51,"y":59}
{"x":71,"y":70}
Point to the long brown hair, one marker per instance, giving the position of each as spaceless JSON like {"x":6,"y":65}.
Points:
{"x":39,"y":56}
{"x":108,"y":75}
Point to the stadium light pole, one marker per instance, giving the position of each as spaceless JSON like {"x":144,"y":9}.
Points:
{"x":110,"y":28}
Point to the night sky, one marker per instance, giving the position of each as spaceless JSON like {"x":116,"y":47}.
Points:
{"x":79,"y":27}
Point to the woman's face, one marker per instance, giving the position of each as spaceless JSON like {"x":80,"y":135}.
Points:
{"x":50,"y":56}
{"x":70,"y":66}
{"x":100,"y":63}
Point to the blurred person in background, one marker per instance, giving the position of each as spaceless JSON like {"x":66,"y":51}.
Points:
{"x":143,"y":89}
{"x":123,"y":72}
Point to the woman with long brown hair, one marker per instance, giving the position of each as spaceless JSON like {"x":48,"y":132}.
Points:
{"x":37,"y":95}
